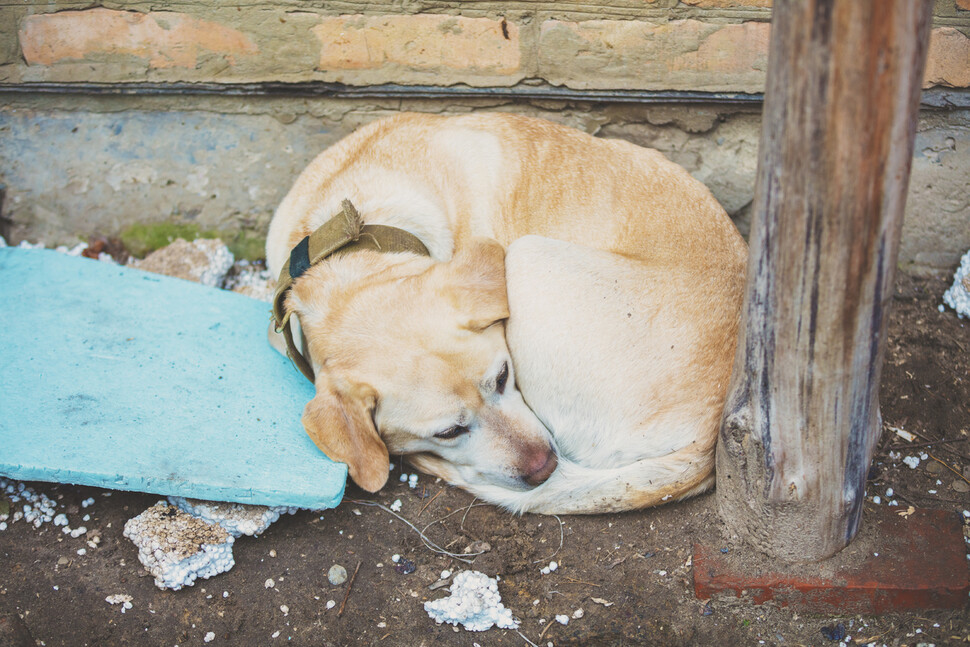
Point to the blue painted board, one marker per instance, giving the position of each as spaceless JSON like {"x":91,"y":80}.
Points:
{"x":122,"y":379}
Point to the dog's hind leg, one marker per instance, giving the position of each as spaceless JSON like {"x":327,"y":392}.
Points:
{"x":622,"y":361}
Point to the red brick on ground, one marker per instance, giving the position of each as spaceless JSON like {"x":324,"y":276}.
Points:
{"x":895,"y":564}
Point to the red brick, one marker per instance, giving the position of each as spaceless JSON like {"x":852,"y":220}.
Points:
{"x":948,"y":62}
{"x":422,"y":42}
{"x":164,"y":39}
{"x":910,"y":563}
{"x":727,"y":4}
{"x":677,"y":55}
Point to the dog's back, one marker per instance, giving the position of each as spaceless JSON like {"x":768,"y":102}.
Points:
{"x":506,"y":176}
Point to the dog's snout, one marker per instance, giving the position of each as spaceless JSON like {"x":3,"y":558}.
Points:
{"x":541,"y":468}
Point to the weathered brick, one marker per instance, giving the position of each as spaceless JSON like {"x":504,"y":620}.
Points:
{"x":417,"y":44}
{"x":164,"y":39}
{"x":679,"y":55}
{"x":949,"y":59}
{"x":727,"y":4}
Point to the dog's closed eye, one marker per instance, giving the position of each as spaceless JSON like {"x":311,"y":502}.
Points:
{"x":502,"y":378}
{"x":453,"y":432}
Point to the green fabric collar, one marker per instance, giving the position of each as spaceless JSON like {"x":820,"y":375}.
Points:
{"x":342,"y":234}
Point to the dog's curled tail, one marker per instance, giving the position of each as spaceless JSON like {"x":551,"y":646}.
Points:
{"x":578,"y":489}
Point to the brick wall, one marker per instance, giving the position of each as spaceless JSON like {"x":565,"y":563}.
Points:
{"x":693,"y":45}
{"x":204,"y":112}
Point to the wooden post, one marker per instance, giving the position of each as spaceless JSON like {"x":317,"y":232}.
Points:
{"x":802,"y":415}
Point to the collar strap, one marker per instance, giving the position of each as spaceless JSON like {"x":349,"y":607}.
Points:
{"x":342,"y":234}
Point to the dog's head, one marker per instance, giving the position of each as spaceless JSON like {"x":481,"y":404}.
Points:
{"x":410,"y":358}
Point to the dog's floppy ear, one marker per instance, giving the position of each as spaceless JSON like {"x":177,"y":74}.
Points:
{"x":478,"y":276}
{"x":341,"y":426}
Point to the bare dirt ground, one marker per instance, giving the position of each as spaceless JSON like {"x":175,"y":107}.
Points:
{"x":630,"y":574}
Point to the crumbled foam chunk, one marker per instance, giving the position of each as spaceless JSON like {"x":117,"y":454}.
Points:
{"x":204,"y":261}
{"x":958,"y":296}
{"x":236,"y":518}
{"x":120,"y":598}
{"x":911,"y":461}
{"x":178,"y":548}
{"x":251,"y":281}
{"x":474,"y":603}
{"x":37,"y":508}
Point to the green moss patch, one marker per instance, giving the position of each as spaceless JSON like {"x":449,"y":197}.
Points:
{"x":143,"y":238}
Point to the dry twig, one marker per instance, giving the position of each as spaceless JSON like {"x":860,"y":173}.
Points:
{"x":562,"y":537}
{"x":949,"y":468}
{"x":548,"y":624}
{"x":427,"y":542}
{"x":347,"y":594}
{"x":430,"y":502}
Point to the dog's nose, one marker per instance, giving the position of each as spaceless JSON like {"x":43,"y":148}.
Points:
{"x":544,"y":466}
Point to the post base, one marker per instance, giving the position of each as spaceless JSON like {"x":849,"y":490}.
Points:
{"x":895,"y":564}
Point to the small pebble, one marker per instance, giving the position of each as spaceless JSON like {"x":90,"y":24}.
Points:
{"x":562,"y":619}
{"x":209,"y":637}
{"x":272,"y":553}
{"x":285,"y":609}
{"x":337,"y":574}
{"x":395,"y":558}
{"x":269,"y":583}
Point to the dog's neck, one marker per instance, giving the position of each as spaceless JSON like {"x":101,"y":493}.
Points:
{"x":344,"y":233}
{"x":415,"y":213}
